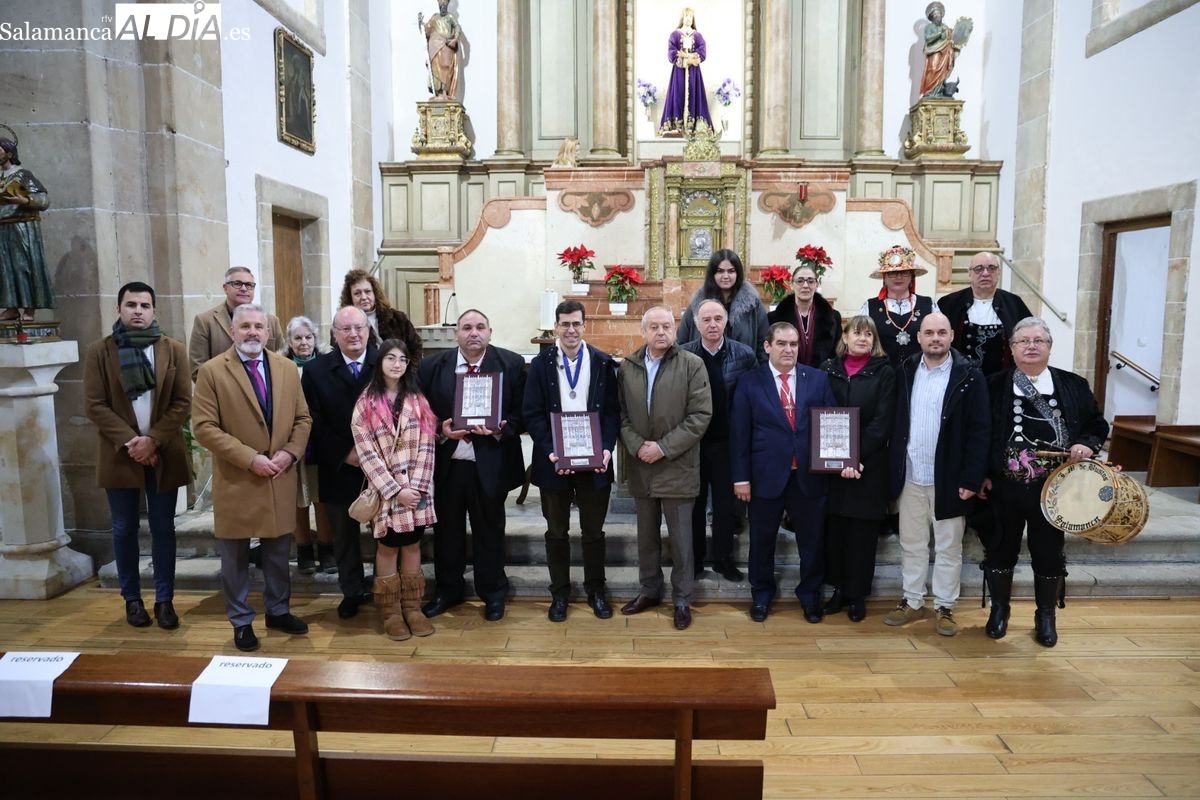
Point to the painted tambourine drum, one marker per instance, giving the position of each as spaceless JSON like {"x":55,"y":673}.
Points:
{"x":1095,"y":501}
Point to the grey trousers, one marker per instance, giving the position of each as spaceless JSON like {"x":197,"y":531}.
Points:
{"x":678,"y":514}
{"x":235,"y":577}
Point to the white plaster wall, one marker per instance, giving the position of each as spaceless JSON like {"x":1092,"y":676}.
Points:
{"x":772,"y":241}
{"x":869,"y":237}
{"x":477,"y":79}
{"x":1122,"y":121}
{"x":252,"y":146}
{"x":620,"y":241}
{"x":383,"y":120}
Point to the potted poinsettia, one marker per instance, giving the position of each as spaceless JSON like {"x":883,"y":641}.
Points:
{"x":577,"y":260}
{"x":815,"y":258}
{"x":775,"y":280}
{"x":622,"y":283}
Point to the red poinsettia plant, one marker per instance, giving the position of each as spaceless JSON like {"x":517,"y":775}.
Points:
{"x":815,"y":258}
{"x":775,"y":280}
{"x":622,"y":283}
{"x":577,"y":260}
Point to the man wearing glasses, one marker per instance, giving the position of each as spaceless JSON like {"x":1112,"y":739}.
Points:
{"x":210,"y":329}
{"x":332,"y":384}
{"x":983,"y":316}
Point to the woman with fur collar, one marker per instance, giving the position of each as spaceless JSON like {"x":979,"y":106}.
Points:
{"x":725,"y":280}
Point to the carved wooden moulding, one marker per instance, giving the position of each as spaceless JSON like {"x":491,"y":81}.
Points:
{"x":795,"y":208}
{"x":594,"y":206}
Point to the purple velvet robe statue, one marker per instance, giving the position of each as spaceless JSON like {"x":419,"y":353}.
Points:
{"x":685,"y":81}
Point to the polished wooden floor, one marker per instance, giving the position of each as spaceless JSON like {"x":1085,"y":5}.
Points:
{"x":864,"y":710}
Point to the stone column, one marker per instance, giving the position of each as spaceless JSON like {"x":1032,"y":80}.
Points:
{"x":775,"y":89}
{"x":604,"y":79}
{"x":509,"y":133}
{"x":35,"y":562}
{"x":869,"y":129}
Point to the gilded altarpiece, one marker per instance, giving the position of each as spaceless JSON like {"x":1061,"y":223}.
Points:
{"x":696,"y":208}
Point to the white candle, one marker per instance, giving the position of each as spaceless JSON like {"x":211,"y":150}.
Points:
{"x":549,"y":303}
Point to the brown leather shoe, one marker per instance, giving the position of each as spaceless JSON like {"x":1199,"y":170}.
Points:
{"x":639,"y":604}
{"x":683,"y":618}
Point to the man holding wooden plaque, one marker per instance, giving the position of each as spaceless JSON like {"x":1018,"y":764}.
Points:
{"x":476,"y":391}
{"x":572,"y":415}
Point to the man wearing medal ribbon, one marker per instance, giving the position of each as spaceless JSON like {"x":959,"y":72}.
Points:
{"x":572,"y":376}
{"x":898,"y":309}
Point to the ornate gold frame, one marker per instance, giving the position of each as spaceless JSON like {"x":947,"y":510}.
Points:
{"x":293,"y":78}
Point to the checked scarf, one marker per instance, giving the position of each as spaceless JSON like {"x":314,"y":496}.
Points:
{"x":137,"y":377}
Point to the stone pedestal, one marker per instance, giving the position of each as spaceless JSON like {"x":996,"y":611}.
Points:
{"x":441,"y":132}
{"x":935,"y":129}
{"x":35,"y":562}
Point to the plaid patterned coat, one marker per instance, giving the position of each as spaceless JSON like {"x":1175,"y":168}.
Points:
{"x":392,"y":463}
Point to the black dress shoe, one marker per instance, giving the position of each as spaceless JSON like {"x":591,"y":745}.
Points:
{"x":558,"y":610}
{"x":135,"y":614}
{"x":639,"y":604}
{"x":835,"y":602}
{"x":683,"y":618}
{"x":168,"y":620}
{"x":288,"y":623}
{"x":244,"y":638}
{"x":813,"y":613}
{"x":758,"y":612}
{"x":857,"y":609}
{"x":728,"y":571}
{"x":439,"y":605}
{"x":349,"y":605}
{"x":599,"y":605}
{"x":493,"y":610}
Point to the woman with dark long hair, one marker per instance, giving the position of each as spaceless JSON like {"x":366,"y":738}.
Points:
{"x":725,"y":281}
{"x":395,"y":433}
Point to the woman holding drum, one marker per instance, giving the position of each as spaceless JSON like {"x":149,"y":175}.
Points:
{"x":1036,"y":409}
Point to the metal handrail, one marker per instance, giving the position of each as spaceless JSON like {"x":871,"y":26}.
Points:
{"x":1045,"y":301}
{"x":1125,"y":361}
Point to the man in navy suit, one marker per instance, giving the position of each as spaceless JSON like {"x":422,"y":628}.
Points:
{"x":572,"y":376}
{"x":474,"y":470}
{"x":769,"y":442}
{"x":332,"y":384}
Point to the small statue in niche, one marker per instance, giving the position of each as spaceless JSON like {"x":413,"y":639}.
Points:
{"x":24,"y":279}
{"x":442,"y":33}
{"x":942,"y":45}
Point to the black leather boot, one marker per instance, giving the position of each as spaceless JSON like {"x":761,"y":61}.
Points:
{"x":1046,"y":592}
{"x":999,"y":583}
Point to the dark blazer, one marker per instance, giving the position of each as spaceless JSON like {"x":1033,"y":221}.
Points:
{"x":1010,"y":308}
{"x":872,"y":390}
{"x":500,"y":462}
{"x":761,"y":442}
{"x":736,"y":361}
{"x":1086,"y":424}
{"x":331,"y":391}
{"x":827,"y":320}
{"x":961,"y":457}
{"x":542,"y":398}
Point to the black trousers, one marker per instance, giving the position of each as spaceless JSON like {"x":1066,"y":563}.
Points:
{"x":347,"y":550}
{"x":850,"y":554}
{"x":457,"y":498}
{"x":808,"y":518}
{"x":1019,"y":507}
{"x":716,"y":472}
{"x":593,"y":509}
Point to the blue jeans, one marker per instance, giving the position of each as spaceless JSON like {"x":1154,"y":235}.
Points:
{"x":123,"y":506}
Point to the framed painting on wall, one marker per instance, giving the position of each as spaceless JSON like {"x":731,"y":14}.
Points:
{"x":295,"y":104}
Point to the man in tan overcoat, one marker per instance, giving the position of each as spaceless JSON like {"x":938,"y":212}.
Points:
{"x":249,"y":411}
{"x":138,"y":393}
{"x":210,"y":329}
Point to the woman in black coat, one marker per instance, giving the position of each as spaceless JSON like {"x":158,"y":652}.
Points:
{"x":819,"y":323}
{"x":861,"y":377}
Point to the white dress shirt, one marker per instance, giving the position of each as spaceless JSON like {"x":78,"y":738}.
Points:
{"x":925,"y":419}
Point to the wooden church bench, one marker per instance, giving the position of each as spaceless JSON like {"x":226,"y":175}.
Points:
{"x":313,"y":697}
{"x":1175,"y":457}
{"x":1131,"y":441}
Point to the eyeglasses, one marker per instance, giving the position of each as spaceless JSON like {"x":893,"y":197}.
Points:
{"x":241,"y":284}
{"x":805,"y":281}
{"x":398,"y":359}
{"x":569,"y":325}
{"x":1034,"y":342}
{"x":352,"y":328}
{"x":979,"y":268}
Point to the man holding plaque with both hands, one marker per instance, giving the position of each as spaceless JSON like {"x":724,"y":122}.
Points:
{"x":572,"y":414}
{"x":478,"y":460}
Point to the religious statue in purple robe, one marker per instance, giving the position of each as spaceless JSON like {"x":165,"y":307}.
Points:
{"x":686,"y":101}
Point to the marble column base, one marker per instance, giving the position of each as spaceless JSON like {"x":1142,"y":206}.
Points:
{"x":41,"y":571}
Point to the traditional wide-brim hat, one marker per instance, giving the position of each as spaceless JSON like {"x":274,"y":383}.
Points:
{"x":898,"y":259}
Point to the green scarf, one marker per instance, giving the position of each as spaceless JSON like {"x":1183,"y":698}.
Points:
{"x":137,"y":376}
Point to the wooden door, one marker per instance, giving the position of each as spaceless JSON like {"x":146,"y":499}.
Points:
{"x":289,"y":269}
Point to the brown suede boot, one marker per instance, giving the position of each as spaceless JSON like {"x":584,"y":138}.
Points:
{"x":412,"y":589}
{"x":387,"y":600}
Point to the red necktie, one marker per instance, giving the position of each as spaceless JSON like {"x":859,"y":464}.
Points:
{"x":260,"y":388}
{"x":789,"y":406}
{"x":472,"y":369}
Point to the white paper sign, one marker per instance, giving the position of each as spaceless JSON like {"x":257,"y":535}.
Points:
{"x":235,"y":690}
{"x":27,"y":682}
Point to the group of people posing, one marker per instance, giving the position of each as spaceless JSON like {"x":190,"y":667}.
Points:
{"x":957,"y":405}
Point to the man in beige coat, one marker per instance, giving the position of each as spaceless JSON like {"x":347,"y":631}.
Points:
{"x":249,"y":411}
{"x":137,"y":389}
{"x":210,"y":329}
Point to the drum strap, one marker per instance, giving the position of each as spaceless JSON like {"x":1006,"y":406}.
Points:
{"x":1035,"y":397}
